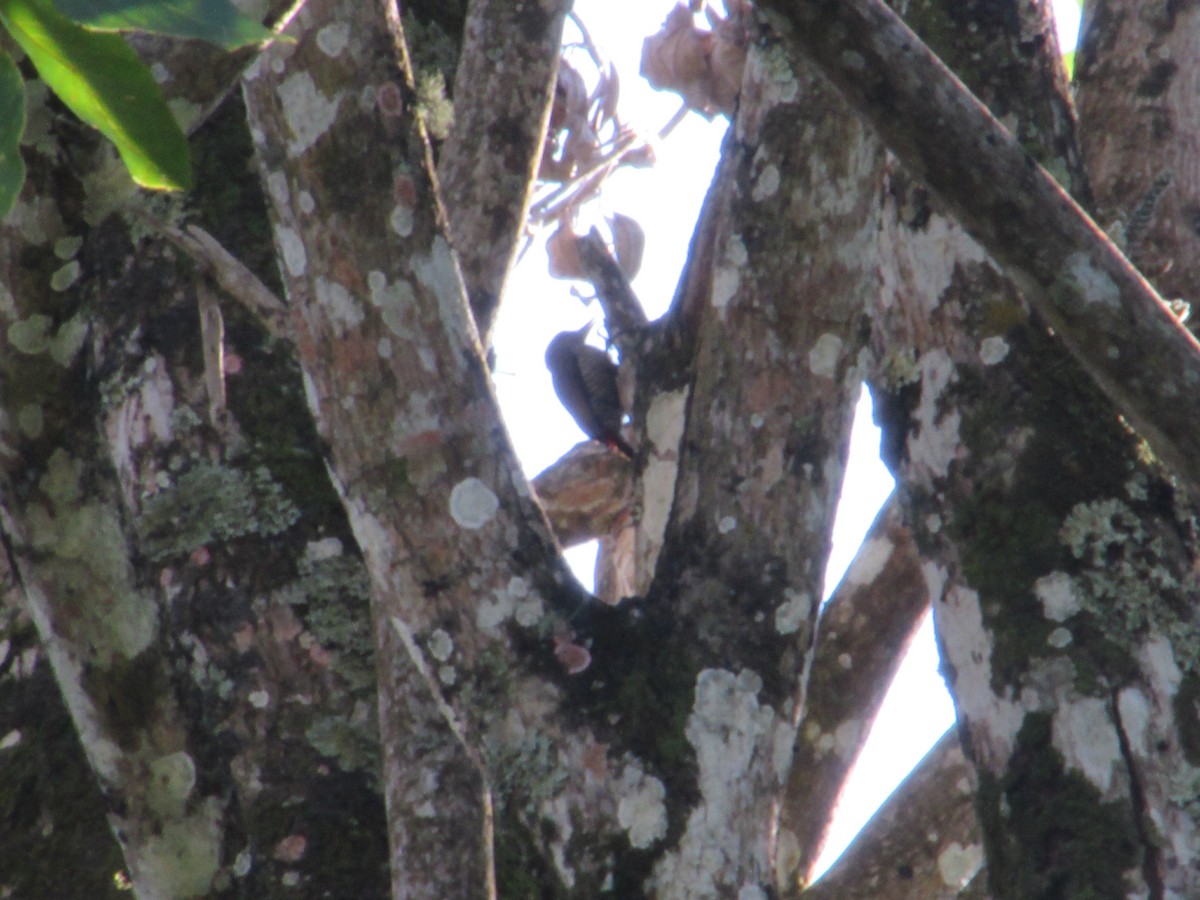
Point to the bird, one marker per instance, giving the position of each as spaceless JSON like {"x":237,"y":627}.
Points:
{"x":585,"y":380}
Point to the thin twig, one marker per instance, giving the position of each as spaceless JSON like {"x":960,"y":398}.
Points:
{"x":228,"y":272}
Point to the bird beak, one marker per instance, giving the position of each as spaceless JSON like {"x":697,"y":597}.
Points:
{"x":583,"y":332}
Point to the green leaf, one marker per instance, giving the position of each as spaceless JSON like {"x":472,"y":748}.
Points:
{"x":216,"y":21}
{"x":105,"y":84}
{"x":12,"y":124}
{"x":1069,"y":63}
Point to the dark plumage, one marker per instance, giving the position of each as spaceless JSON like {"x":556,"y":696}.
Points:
{"x":585,"y":380}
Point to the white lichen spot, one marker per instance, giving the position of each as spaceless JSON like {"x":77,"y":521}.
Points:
{"x":277,"y":187}
{"x":845,"y":661}
{"x":183,"y":856}
{"x":401,"y":220}
{"x":30,"y":420}
{"x":326,"y":548}
{"x":306,"y":203}
{"x":732,"y":736}
{"x":529,"y":611}
{"x":1136,"y":715}
{"x":159,"y":73}
{"x":726,"y":524}
{"x":447,"y":675}
{"x":1057,"y":595}
{"x":757,"y":421}
{"x":766,"y":185}
{"x":641,"y":809}
{"x":291,"y":878}
{"x":395,"y":302}
{"x":1086,"y":737}
{"x":1112,"y":352}
{"x":172,"y":778}
{"x":772,"y":67}
{"x":472,"y":503}
{"x":1058,"y":638}
{"x":783,"y":751}
{"x":751,"y":892}
{"x":384,"y":348}
{"x":291,"y":248}
{"x":66,"y":276}
{"x":872,"y":556}
{"x":259,"y":699}
{"x":854,"y":61}
{"x":242,"y":863}
{"x":31,"y":334}
{"x":992,"y":350}
{"x":824,"y":356}
{"x":726,"y":279}
{"x":735,"y":251}
{"x":936,"y":442}
{"x":793,"y":612}
{"x":495,"y":612}
{"x":846,"y":737}
{"x":439,"y":274}
{"x":426,"y":810}
{"x":933,"y":523}
{"x":958,"y":864}
{"x":344,"y":311}
{"x":1095,"y":284}
{"x":1158,"y":659}
{"x":69,"y":339}
{"x":428,"y":359}
{"x":968,"y":648}
{"x":441,"y":645}
{"x":10,"y":740}
{"x":66,"y":247}
{"x":935,"y":580}
{"x":332,"y":39}
{"x":307,"y":111}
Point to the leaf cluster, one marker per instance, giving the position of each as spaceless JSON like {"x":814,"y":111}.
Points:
{"x":77,"y":50}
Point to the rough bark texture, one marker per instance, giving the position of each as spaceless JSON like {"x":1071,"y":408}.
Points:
{"x":212,"y":609}
{"x":190,"y":622}
{"x":1137,"y":71}
{"x":503,"y":88}
{"x":1060,"y":561}
{"x":1109,"y":318}
{"x":775,"y":381}
{"x":864,"y":633}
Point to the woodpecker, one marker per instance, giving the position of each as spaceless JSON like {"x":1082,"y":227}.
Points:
{"x":585,"y":380}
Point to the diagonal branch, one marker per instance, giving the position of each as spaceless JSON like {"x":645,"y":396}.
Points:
{"x":503,"y":89}
{"x":864,"y":633}
{"x":923,"y":842}
{"x":1111,"y":320}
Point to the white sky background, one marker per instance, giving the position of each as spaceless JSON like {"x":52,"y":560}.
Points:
{"x":666,"y":200}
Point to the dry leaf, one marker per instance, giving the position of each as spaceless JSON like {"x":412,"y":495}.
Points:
{"x":705,"y":67}
{"x":563,"y":254}
{"x":640,"y":157}
{"x":570,"y":98}
{"x":629,"y":243}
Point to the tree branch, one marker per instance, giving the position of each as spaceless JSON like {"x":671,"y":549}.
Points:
{"x":864,"y":633}
{"x":923,"y":842}
{"x":503,"y":89}
{"x":1111,"y":320}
